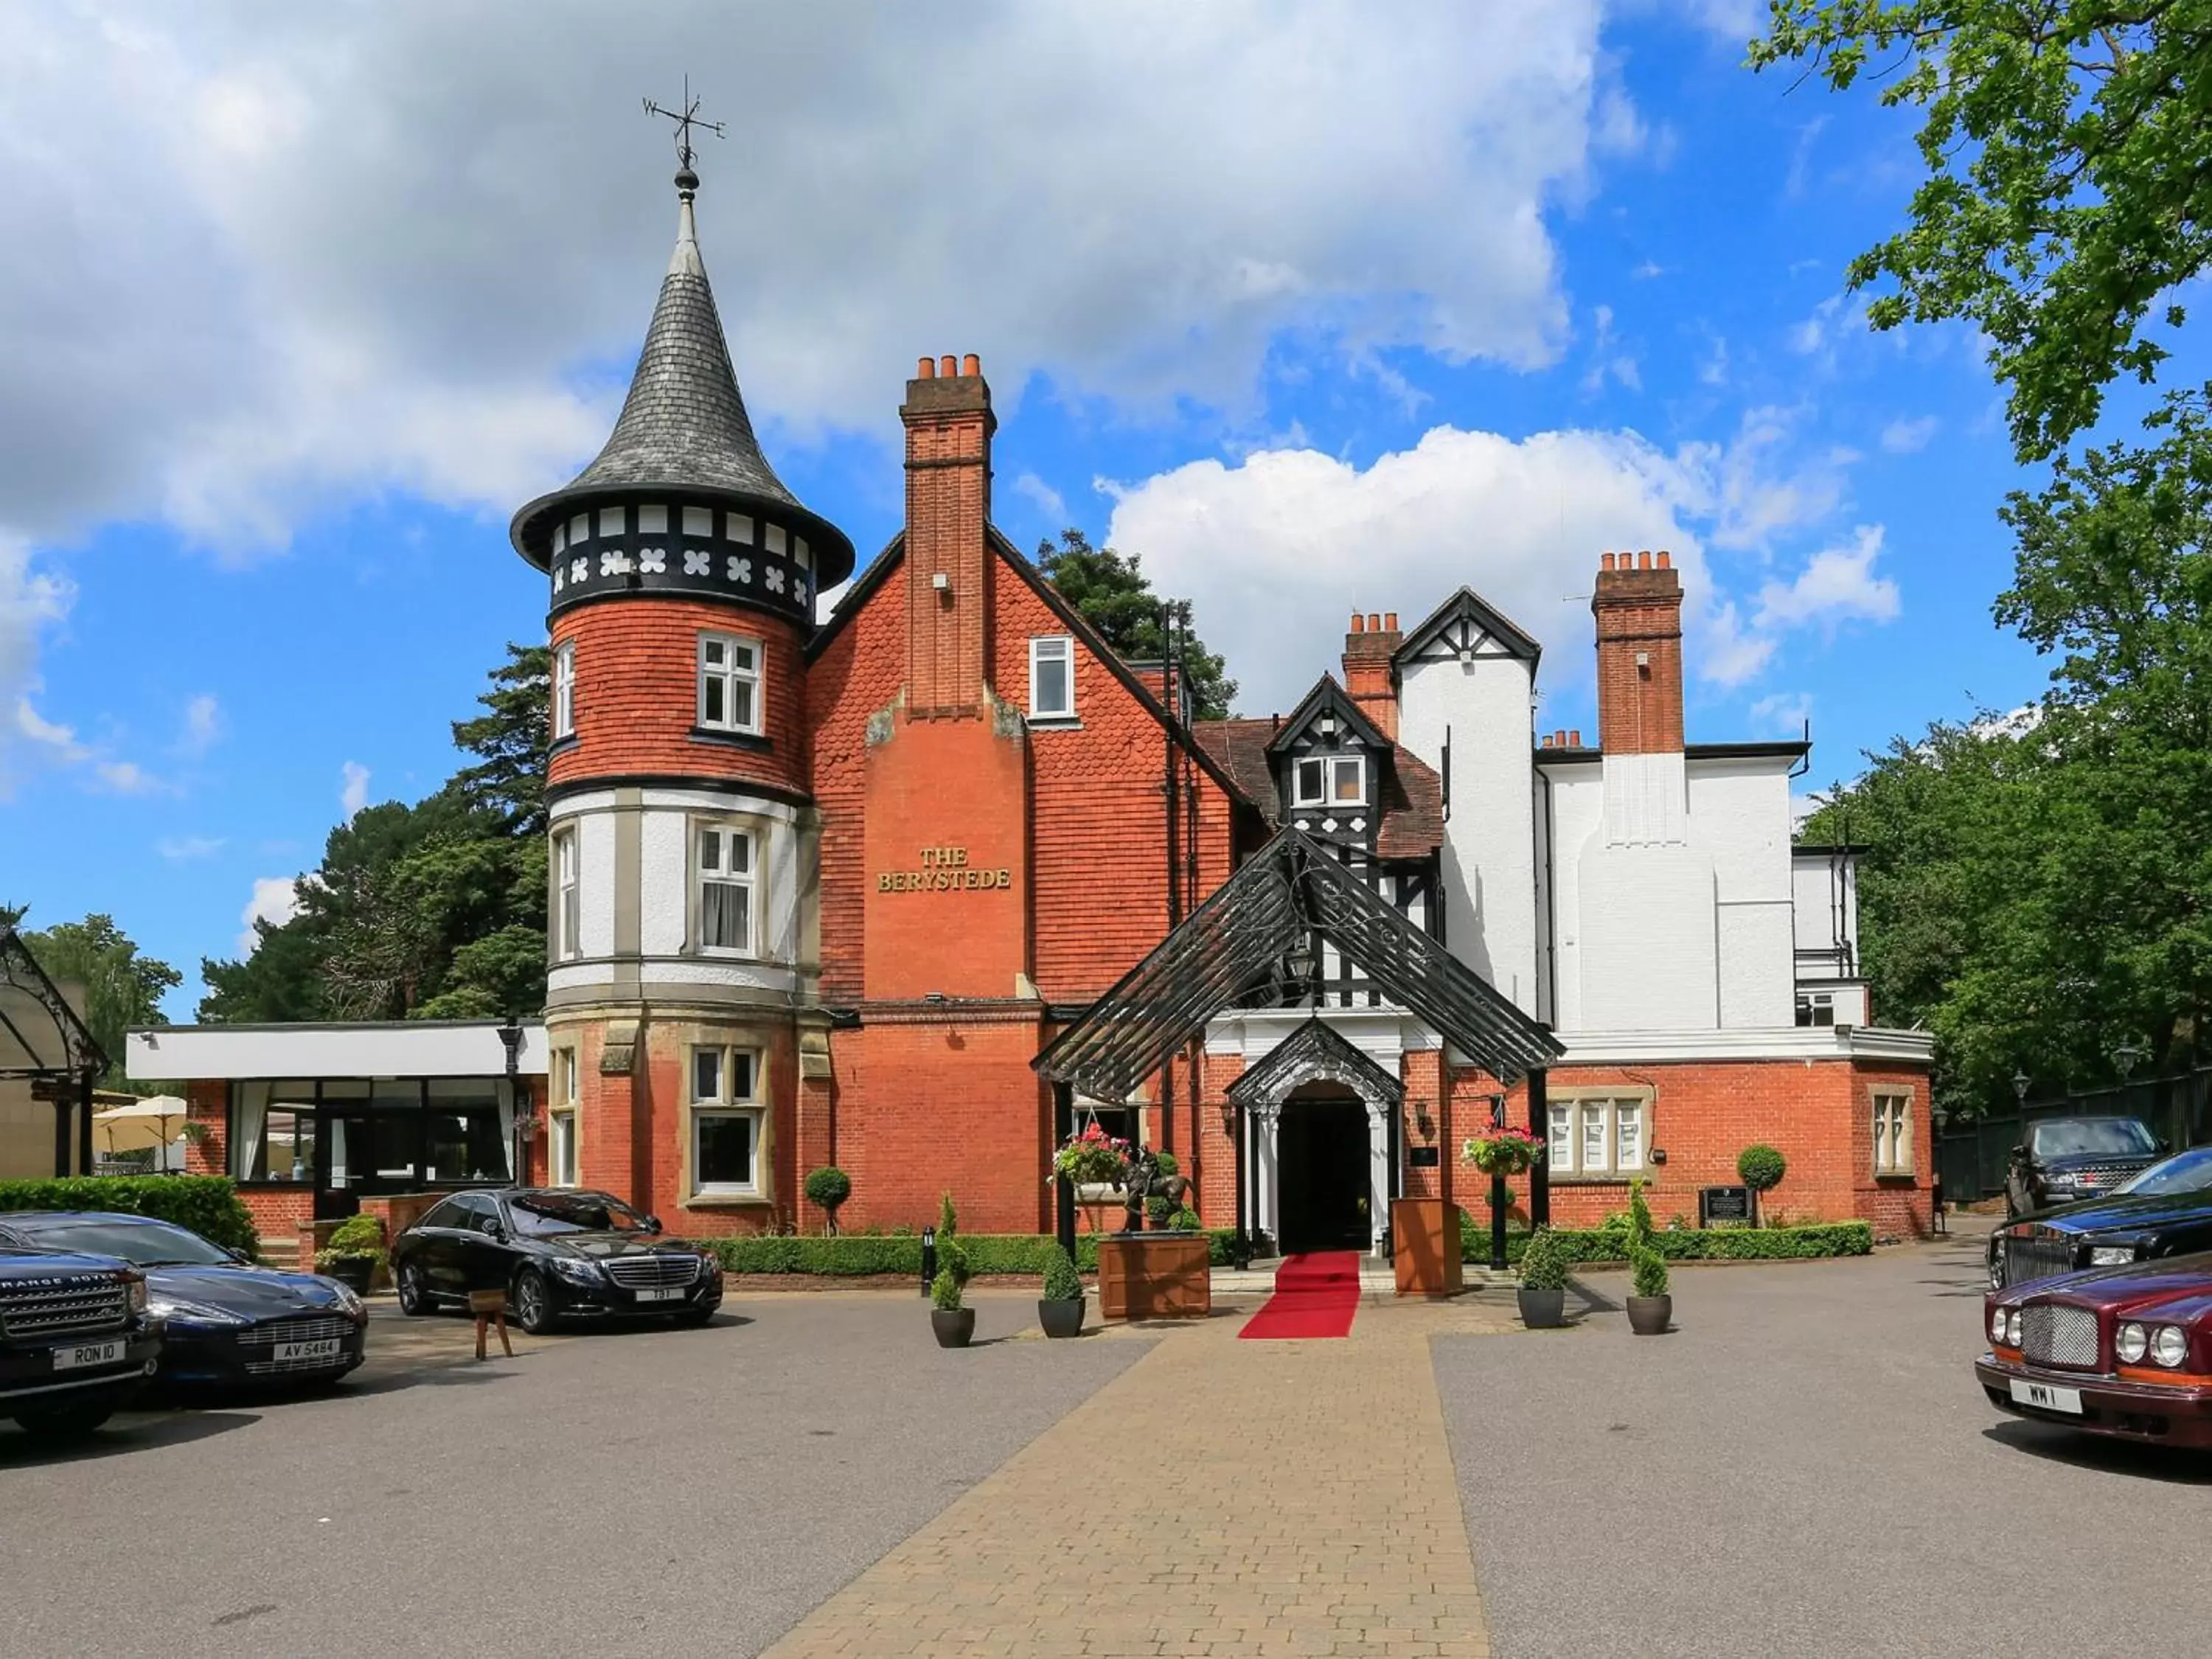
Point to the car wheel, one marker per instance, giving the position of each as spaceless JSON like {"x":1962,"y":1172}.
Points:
{"x":415,"y":1298}
{"x":533,"y":1303}
{"x":63,"y":1422}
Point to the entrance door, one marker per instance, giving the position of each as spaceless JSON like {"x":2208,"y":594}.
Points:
{"x":1321,"y":1150}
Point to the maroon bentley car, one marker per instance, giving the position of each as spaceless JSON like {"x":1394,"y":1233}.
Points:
{"x":2120,"y":1350}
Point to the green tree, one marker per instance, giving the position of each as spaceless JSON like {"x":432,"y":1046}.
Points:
{"x":2068,"y":146}
{"x":1114,"y":595}
{"x":121,"y":988}
{"x":509,"y":740}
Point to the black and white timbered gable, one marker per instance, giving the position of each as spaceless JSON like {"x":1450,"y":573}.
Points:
{"x":1328,"y":759}
{"x":1466,"y":627}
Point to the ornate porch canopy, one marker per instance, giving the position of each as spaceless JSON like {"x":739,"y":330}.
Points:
{"x":1313,"y":1052}
{"x":40,"y":1035}
{"x":1242,"y":938}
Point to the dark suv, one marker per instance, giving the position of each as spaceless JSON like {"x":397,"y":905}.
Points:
{"x":2066,"y":1158}
{"x":75,"y":1341}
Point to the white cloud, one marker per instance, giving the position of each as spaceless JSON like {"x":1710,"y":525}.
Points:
{"x":353,"y":795}
{"x":341,"y":251}
{"x":184,"y":849}
{"x":202,"y":725}
{"x":32,"y":600}
{"x":1049,"y":500}
{"x":1784,"y":711}
{"x":275,"y":900}
{"x":1903,"y":437}
{"x":1837,"y":584}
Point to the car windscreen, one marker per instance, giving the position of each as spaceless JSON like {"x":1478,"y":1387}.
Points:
{"x":545,"y":1215}
{"x":2185,"y":1172}
{"x":146,"y":1243}
{"x":2111,"y":1137}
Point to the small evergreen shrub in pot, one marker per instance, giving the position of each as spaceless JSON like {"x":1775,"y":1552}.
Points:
{"x":355,"y":1253}
{"x":1651,"y":1309}
{"x":1543,"y":1289}
{"x":1059,"y":1310}
{"x":953,"y":1324}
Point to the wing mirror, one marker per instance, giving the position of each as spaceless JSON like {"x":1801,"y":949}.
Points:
{"x":495,"y":1230}
{"x":2019,"y":1151}
{"x":236,"y":1255}
{"x":653,"y":1224}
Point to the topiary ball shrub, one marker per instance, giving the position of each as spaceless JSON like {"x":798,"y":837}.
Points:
{"x":1761,"y":1168}
{"x":826,"y":1189}
{"x":1061,"y":1282}
{"x":1544,"y":1263}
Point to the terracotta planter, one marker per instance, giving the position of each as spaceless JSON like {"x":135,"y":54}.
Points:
{"x":1542,"y":1310}
{"x":1649,"y":1316}
{"x":1060,"y":1317}
{"x":953,"y":1325}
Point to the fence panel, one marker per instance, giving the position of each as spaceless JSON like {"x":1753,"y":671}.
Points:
{"x":1971,"y":1161}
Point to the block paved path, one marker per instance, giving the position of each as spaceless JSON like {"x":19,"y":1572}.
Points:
{"x":1219,"y":1498}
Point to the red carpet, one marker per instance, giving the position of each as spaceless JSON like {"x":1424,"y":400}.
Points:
{"x":1315,"y":1295}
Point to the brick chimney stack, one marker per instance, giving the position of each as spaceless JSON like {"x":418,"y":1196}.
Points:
{"x":1638,"y":608}
{"x":949,"y":425}
{"x":1367,"y":648}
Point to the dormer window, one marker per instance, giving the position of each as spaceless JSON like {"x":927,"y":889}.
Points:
{"x":1329,"y":781}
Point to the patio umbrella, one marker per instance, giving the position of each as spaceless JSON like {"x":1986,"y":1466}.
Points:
{"x":141,"y":1123}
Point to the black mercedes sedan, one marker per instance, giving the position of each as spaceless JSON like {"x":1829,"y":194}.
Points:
{"x":2165,"y":1211}
{"x":557,"y":1253}
{"x":225,"y":1321}
{"x":2065,"y":1159}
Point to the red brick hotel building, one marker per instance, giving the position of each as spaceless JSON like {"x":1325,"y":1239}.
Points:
{"x":901,"y":888}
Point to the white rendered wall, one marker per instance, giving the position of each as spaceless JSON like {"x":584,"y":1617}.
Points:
{"x":1650,"y":944}
{"x":1812,"y":887}
{"x":1578,"y":804}
{"x":1739,"y":814}
{"x":1489,"y":854}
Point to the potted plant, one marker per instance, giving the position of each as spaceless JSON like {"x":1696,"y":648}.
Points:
{"x":1059,"y":1310}
{"x":355,"y":1253}
{"x":826,"y":1189}
{"x":1095,"y":1165}
{"x":1760,"y":1169}
{"x":952,"y":1323}
{"x":1542,"y":1292}
{"x":1650,"y":1308}
{"x":1501,"y":1154}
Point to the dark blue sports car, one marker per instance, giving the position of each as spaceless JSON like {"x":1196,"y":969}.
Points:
{"x":225,"y":1320}
{"x":2163,"y":1211}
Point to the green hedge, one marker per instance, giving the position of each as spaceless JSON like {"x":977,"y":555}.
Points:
{"x":209,"y":1204}
{"x":1595,"y":1244}
{"x":852,"y":1255}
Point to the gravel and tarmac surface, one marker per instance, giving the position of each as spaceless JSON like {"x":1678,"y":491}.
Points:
{"x":649,"y":1491}
{"x":1806,"y":1466}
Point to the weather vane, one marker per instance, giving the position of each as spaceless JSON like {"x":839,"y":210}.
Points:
{"x":685,"y":119}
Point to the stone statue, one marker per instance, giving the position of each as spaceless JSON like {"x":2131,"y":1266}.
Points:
{"x":1145,"y":1182}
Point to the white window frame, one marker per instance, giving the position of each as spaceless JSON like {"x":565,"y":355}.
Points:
{"x":1569,"y":1133}
{"x":730,"y":677}
{"x":1893,"y":1132}
{"x":562,"y":1118}
{"x":724,"y":838}
{"x":564,"y":690}
{"x":723,"y":1101}
{"x":568,"y":898}
{"x":1052,"y":648}
{"x":1332,"y":766}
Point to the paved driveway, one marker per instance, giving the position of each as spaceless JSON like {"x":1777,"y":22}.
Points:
{"x":670,"y":1492}
{"x":1806,"y":1466}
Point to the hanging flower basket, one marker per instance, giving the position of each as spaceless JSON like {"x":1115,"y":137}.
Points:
{"x":1503,"y":1151}
{"x":1096,"y":1164}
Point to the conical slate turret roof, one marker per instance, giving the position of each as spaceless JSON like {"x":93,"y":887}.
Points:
{"x":684,"y":426}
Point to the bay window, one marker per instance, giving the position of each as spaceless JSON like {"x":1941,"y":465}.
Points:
{"x":722,"y":889}
{"x":726,"y":1112}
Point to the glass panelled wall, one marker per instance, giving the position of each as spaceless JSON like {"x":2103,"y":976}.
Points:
{"x":365,"y":1135}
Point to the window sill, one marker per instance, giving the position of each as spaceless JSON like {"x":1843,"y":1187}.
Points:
{"x":753,"y":740}
{"x":1899,"y":1175}
{"x":724,"y":1201}
{"x":1644,"y":1175}
{"x":562,"y":745}
{"x":1056,"y":722}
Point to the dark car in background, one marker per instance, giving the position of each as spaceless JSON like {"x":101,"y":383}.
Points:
{"x":2164,"y":1210}
{"x":76,"y":1343}
{"x":557,"y":1253}
{"x":2066,"y":1158}
{"x":224,"y":1319}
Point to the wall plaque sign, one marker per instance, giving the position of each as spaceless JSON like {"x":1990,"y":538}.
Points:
{"x":1723,"y":1204}
{"x":1421,"y":1157}
{"x":944,"y":870}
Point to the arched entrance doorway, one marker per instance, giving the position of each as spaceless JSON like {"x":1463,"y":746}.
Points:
{"x":1323,"y":1157}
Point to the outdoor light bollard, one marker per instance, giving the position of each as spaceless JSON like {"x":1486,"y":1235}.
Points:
{"x":1498,"y":1202}
{"x":928,"y":1258}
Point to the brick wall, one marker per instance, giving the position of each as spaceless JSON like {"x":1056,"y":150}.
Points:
{"x":637,"y":669}
{"x":948,"y":510}
{"x":1639,"y":612}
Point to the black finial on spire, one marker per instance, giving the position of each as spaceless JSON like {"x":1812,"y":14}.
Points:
{"x":685,"y":118}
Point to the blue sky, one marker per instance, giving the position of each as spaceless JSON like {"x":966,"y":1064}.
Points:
{"x":1310,"y":318}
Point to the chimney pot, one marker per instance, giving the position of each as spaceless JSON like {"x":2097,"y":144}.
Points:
{"x":1544,"y":742}
{"x":1358,"y":623}
{"x":1666,"y":560}
{"x":1575,"y":737}
{"x":926,"y":369}
{"x":1389,"y":622}
{"x":971,"y":364}
{"x":948,"y":366}
{"x":1604,"y":561}
{"x":1375,"y":622}
{"x":1643,"y":560}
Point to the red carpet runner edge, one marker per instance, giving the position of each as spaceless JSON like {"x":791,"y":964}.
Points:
{"x":1315,"y":1295}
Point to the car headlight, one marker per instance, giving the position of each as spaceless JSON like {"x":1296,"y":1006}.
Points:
{"x":139,"y":1297}
{"x":577,"y":1268}
{"x":348,"y":1302}
{"x":1997,"y":1325}
{"x":710,"y":1266}
{"x":178,"y":1310}
{"x":2169,"y":1345}
{"x":2012,"y":1328}
{"x":2132,"y":1342}
{"x":2111,"y":1255}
